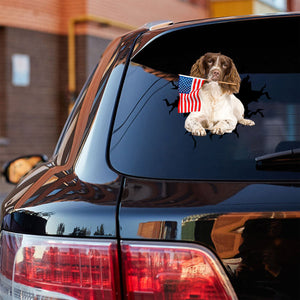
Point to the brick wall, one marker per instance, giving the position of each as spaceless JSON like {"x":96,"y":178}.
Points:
{"x":36,"y":15}
{"x":32,"y":112}
{"x":137,"y":12}
{"x":53,"y":15}
{"x":31,"y":117}
{"x":294,"y":5}
{"x":90,"y":48}
{"x":2,"y":87}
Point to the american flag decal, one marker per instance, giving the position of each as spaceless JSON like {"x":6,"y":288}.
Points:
{"x":189,"y":99}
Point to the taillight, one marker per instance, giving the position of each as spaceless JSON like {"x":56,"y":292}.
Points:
{"x":173,"y":271}
{"x":34,"y":267}
{"x":58,"y":268}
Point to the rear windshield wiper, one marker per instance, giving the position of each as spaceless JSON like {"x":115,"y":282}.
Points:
{"x":288,"y":160}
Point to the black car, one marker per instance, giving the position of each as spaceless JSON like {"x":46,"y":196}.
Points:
{"x":133,"y":206}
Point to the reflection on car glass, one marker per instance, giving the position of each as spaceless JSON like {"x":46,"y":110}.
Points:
{"x":121,"y":129}
{"x":220,"y":111}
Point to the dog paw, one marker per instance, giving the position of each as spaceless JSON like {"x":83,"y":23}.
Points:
{"x":196,"y":130}
{"x":199,"y":132}
{"x":217,"y":130}
{"x":247,"y":122}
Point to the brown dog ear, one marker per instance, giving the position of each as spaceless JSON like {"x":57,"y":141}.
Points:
{"x":234,"y":77}
{"x":198,"y":68}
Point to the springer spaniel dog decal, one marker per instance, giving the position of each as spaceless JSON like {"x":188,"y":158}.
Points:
{"x":211,"y":86}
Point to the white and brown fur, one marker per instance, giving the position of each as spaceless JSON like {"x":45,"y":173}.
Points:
{"x":220,"y":110}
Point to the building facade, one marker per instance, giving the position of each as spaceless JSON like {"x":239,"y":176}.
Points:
{"x":34,"y":67}
{"x":223,"y":8}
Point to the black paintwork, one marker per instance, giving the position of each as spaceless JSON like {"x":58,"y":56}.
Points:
{"x":253,"y":227}
{"x":67,"y":207}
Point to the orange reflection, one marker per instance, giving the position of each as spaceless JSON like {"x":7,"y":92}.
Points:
{"x":227,"y":230}
{"x":158,"y":230}
{"x":21,"y":167}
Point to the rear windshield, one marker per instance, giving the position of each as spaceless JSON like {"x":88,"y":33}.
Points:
{"x":149,"y":138}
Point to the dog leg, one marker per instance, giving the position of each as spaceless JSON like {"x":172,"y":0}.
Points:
{"x":224,"y":126}
{"x":246,"y":122}
{"x":194,"y":126}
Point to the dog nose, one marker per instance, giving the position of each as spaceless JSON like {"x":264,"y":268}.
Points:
{"x":216,"y":73}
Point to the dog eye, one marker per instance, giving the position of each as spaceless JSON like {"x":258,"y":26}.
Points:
{"x":210,"y":62}
{"x":224,"y":66}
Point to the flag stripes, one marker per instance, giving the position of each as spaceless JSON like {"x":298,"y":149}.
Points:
{"x":189,"y":99}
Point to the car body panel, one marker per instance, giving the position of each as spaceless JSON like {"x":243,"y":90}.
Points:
{"x":67,"y":206}
{"x":178,"y":202}
{"x":252,"y":227}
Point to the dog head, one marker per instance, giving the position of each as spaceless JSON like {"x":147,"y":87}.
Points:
{"x":217,"y":67}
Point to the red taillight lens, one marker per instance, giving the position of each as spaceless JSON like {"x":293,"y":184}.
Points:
{"x":164,"y":271}
{"x":33,"y":267}
{"x":61,"y":268}
{"x":9,"y":246}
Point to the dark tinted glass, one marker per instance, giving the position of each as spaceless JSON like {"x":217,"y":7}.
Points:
{"x":149,"y":139}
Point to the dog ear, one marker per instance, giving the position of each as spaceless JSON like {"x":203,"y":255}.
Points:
{"x":198,"y":68}
{"x":234,"y":77}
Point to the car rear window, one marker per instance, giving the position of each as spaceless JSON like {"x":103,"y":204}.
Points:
{"x":149,"y":138}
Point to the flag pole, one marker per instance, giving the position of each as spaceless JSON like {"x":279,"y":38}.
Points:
{"x":231,"y":83}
